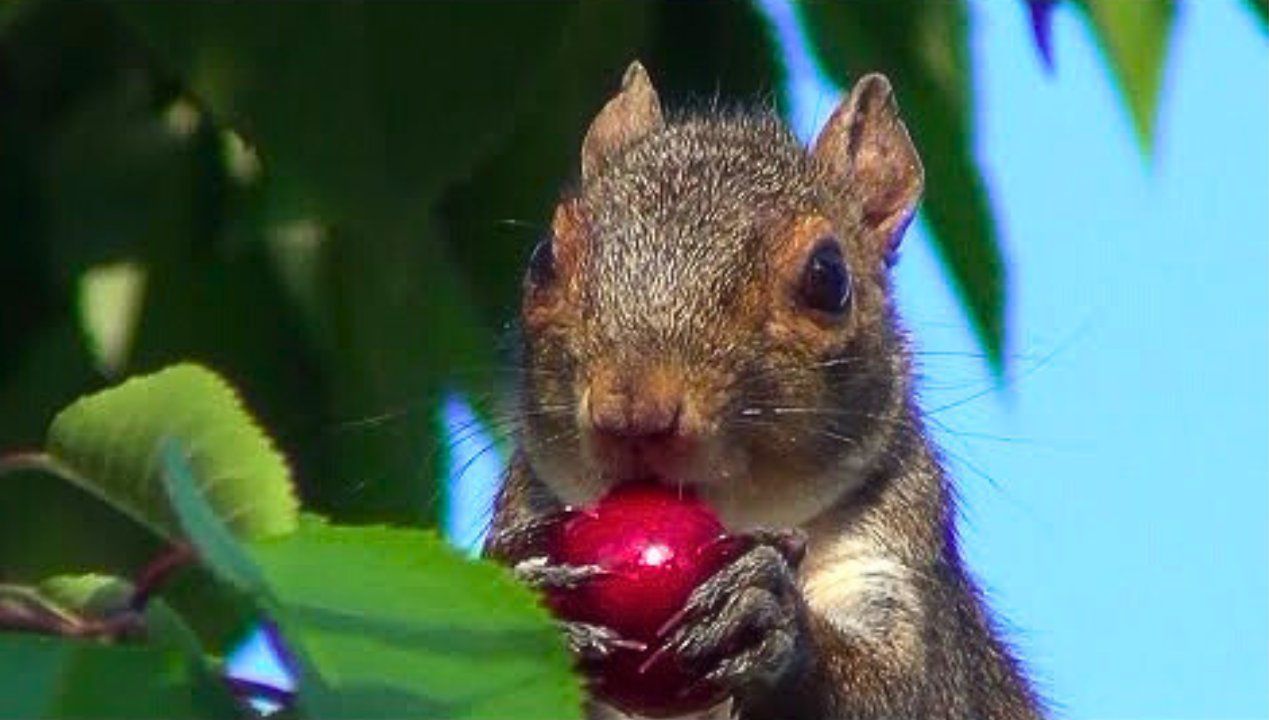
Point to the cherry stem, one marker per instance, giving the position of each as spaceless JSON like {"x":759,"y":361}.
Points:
{"x":157,"y":572}
{"x":29,"y":611}
{"x":26,"y":460}
{"x":33,"y":614}
{"x":25,"y":610}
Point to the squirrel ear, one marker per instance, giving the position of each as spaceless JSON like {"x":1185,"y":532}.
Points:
{"x":631,"y":114}
{"x":865,"y":145}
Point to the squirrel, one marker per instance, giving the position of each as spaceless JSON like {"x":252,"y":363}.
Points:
{"x":713,"y":306}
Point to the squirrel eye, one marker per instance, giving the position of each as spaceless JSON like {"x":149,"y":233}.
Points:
{"x":542,"y":263}
{"x":825,"y":281}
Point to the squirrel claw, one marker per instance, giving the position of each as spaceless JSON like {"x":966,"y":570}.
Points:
{"x":591,"y":643}
{"x":540,"y":573}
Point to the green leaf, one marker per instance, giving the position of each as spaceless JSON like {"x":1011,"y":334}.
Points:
{"x":722,"y":53}
{"x":50,"y":677}
{"x":1134,"y":37}
{"x":91,"y":593}
{"x":922,"y":48}
{"x":209,"y":533}
{"x":1261,"y":9}
{"x":107,"y":443}
{"x":109,"y":307}
{"x":406,"y":627}
{"x":97,"y":596}
{"x":7,"y":10}
{"x":399,"y":625}
{"x":71,"y":531}
{"x":219,"y":550}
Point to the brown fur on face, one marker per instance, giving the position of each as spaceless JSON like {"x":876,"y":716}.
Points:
{"x":674,"y":337}
{"x":676,"y":283}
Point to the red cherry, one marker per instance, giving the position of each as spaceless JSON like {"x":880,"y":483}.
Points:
{"x":658,"y":544}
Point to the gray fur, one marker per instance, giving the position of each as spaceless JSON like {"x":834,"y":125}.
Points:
{"x":658,"y":227}
{"x":680,"y":225}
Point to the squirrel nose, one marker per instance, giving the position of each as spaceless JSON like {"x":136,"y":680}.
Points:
{"x":631,"y":410}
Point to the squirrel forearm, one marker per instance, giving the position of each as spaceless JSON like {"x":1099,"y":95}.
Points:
{"x":957,"y":672}
{"x":840,"y":678}
{"x":522,"y":503}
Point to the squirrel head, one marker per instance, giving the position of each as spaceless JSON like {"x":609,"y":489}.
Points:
{"x":712,"y":306}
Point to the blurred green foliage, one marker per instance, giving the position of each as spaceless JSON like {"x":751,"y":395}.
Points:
{"x":330,"y":203}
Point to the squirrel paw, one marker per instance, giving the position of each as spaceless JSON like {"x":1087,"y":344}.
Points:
{"x":587,"y":642}
{"x":743,"y":628}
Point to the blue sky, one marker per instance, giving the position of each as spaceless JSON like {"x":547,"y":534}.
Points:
{"x":1116,"y":491}
{"x":1118,"y":510}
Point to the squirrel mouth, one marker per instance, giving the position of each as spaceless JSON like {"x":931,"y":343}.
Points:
{"x":664,"y":462}
{"x":672,"y":465}
{"x":647,"y":478}
{"x":678,"y":487}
